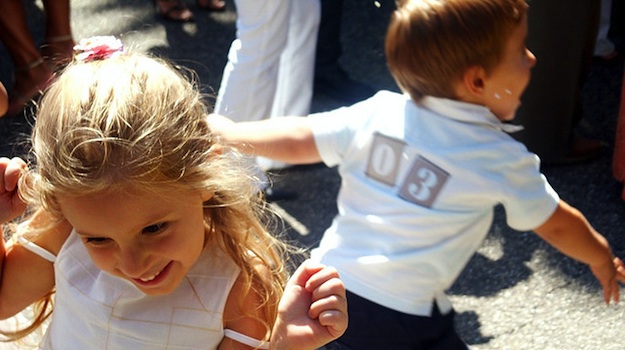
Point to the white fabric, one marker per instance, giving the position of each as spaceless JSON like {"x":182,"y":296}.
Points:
{"x":32,"y":247}
{"x":244,"y":339}
{"x":95,"y":310}
{"x":271,"y":62}
{"x":419,"y":187}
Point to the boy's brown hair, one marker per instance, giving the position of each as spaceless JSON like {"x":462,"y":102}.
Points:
{"x":431,"y":43}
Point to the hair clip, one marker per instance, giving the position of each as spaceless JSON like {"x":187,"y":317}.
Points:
{"x":98,"y":48}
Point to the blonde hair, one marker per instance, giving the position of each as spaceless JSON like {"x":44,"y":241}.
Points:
{"x":136,"y":122}
{"x":431,"y":43}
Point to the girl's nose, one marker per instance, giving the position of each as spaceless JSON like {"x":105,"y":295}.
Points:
{"x":132,"y":262}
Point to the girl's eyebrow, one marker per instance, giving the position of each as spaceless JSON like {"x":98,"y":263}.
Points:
{"x":85,"y":234}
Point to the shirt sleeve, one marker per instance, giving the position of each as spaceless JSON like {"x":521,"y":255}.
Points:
{"x":335,"y":131}
{"x":529,"y":200}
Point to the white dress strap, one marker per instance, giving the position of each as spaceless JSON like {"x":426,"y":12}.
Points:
{"x":32,"y":247}
{"x":244,"y":339}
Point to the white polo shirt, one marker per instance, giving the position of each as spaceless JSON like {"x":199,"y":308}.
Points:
{"x":418,"y":192}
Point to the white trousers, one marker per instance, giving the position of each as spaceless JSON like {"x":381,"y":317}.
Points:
{"x":270,"y":65}
{"x":604,"y":46}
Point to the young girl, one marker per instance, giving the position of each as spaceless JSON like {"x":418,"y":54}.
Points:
{"x":423,"y":171}
{"x":147,"y":235}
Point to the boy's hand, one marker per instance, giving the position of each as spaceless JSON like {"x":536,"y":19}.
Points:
{"x":11,"y":205}
{"x":313,"y":309}
{"x":218,"y":124}
{"x":609,"y":274}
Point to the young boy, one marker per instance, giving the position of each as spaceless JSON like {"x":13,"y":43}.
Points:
{"x":422,"y":172}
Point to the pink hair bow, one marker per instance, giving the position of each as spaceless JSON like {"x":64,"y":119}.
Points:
{"x":98,"y":48}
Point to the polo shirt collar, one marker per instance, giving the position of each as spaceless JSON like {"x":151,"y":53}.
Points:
{"x":467,"y":113}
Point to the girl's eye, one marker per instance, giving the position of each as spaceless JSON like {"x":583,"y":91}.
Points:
{"x":96,"y":240}
{"x":156,"y":228}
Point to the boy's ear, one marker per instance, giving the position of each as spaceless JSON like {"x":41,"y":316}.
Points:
{"x":473,"y":81}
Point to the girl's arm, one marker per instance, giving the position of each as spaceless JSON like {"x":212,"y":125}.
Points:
{"x":568,"y":231}
{"x":287,"y":139}
{"x":236,"y":319}
{"x":311,"y":313}
{"x":25,"y":277}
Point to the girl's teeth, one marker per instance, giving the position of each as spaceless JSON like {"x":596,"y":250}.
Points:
{"x":150,"y":278}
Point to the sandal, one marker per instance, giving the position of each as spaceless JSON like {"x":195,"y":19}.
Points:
{"x":211,"y":5}
{"x":57,"y":51}
{"x":174,"y":10}
{"x":18,"y":100}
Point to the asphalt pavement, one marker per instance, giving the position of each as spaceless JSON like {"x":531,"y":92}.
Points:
{"x":517,"y":292}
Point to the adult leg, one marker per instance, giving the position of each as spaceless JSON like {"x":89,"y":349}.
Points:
{"x":30,"y":71}
{"x":297,"y":62}
{"x":4,"y":100}
{"x":604,"y":47}
{"x":249,"y":81}
{"x":250,"y":78}
{"x":294,"y":89}
{"x":59,"y":42}
{"x":330,"y":78}
{"x":329,"y":48}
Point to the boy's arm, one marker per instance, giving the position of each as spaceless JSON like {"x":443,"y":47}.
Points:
{"x":568,"y":231}
{"x":313,"y":309}
{"x":287,"y":139}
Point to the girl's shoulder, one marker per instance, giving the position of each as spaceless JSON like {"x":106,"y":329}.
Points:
{"x":46,"y":232}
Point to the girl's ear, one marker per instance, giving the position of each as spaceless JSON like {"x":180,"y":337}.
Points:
{"x":473,"y":81}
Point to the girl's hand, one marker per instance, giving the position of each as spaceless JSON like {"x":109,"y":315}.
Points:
{"x":11,"y":205}
{"x":313,"y":309}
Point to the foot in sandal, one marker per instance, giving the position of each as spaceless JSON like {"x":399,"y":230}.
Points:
{"x":30,"y":80}
{"x":58,"y":51}
{"x":174,"y":10}
{"x":211,"y":5}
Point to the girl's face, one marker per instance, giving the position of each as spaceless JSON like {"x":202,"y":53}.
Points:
{"x":149,"y":239}
{"x":506,"y":83}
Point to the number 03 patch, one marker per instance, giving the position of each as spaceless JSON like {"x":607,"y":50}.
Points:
{"x":423,"y":183}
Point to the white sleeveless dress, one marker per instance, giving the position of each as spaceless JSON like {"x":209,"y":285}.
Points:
{"x":95,"y":310}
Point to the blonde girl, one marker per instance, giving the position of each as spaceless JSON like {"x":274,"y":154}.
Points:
{"x":147,"y":235}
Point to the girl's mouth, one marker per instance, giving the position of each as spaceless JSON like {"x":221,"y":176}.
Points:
{"x":153,"y":279}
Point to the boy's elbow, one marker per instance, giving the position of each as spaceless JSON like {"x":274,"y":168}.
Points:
{"x":564,"y":222}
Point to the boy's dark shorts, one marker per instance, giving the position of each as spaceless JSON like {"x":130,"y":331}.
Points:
{"x":373,"y":326}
